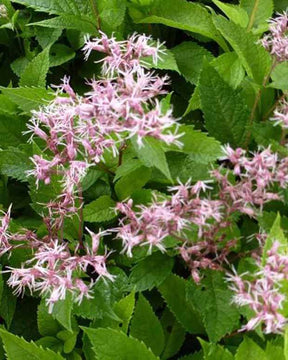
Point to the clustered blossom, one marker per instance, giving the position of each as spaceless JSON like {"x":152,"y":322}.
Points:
{"x":79,"y":130}
{"x":205,"y":216}
{"x":277,"y":41}
{"x":262,"y":293}
{"x":281,"y":114}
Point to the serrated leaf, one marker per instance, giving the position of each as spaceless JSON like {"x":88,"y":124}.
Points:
{"x":146,"y":326}
{"x":46,"y":37}
{"x":28,"y":98}
{"x":36,"y":71}
{"x":135,"y":180}
{"x":47,"y":326}
{"x":248,"y":349}
{"x":62,"y":312}
{"x":7,"y":106}
{"x":226,"y":114}
{"x":173,"y":290}
{"x":174,"y":334}
{"x":234,"y":12}
{"x":126,"y":168}
{"x":124,"y":310}
{"x":69,"y":21}
{"x":183,"y":15}
{"x":11,"y":129}
{"x":111,"y":13}
{"x":100,"y":210}
{"x":152,"y":154}
{"x":151,"y":271}
{"x":274,"y":350}
{"x":17,"y":348}
{"x":259,"y":11}
{"x":7,"y":305}
{"x":19,"y":65}
{"x":255,"y":59}
{"x":14,"y":163}
{"x":211,"y":299}
{"x":213,"y":351}
{"x":189,"y":57}
{"x":111,"y":344}
{"x":280,"y":76}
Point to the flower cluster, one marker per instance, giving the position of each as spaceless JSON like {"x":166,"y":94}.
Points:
{"x":281,"y":114}
{"x":79,"y":130}
{"x":188,"y":214}
{"x":262,"y":293}
{"x":277,"y":41}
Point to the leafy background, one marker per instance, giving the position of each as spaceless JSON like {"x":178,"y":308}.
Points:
{"x":153,"y":310}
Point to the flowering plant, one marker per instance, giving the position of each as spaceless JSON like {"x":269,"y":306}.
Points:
{"x":144,"y":196}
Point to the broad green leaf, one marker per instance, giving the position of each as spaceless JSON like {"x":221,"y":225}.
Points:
{"x":234,"y":12}
{"x":69,"y":21}
{"x":46,"y":37}
{"x":195,"y":356}
{"x":226,"y":114}
{"x":60,"y":54}
{"x":230,"y":68}
{"x":28,"y":98}
{"x":255,"y":59}
{"x":189,"y":57}
{"x":62,"y":312}
{"x":111,"y":344}
{"x":124,"y":310}
{"x":174,"y":334}
{"x":211,"y":299}
{"x":213,"y":351}
{"x":19,"y":65}
{"x":275,"y":350}
{"x":11,"y":129}
{"x":111,"y":13}
{"x":167,"y":61}
{"x":184,"y":15}
{"x":36,"y":71}
{"x":275,"y":234}
{"x":194,"y":102}
{"x":151,"y":271}
{"x":17,"y":348}
{"x":50,"y":342}
{"x":173,"y":290}
{"x":7,"y":106}
{"x":280,"y":76}
{"x":286,"y":344}
{"x":259,"y":11}
{"x":76,"y":7}
{"x":126,"y":168}
{"x":152,"y":154}
{"x":248,"y":349}
{"x":100,"y":210}
{"x":47,"y":326}
{"x":132,"y":182}
{"x":14,"y":163}
{"x":146,"y":326}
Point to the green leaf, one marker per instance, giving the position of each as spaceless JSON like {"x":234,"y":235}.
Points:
{"x":18,"y":349}
{"x":100,"y":210}
{"x":174,"y":334}
{"x":166,"y":62}
{"x":76,"y":7}
{"x":69,"y":21}
{"x":280,"y":76}
{"x":146,"y":326}
{"x":7,"y":106}
{"x":7,"y":305}
{"x":47,"y":326}
{"x":213,"y":351}
{"x":28,"y":98}
{"x":60,"y":54}
{"x":255,"y":59}
{"x":274,"y":350}
{"x":11,"y":129}
{"x":173,"y":290}
{"x":124,"y":310}
{"x":248,"y":349}
{"x":189,"y":57}
{"x":286,"y":344}
{"x":211,"y":299}
{"x":111,"y":13}
{"x":18,"y":66}
{"x":276,"y":233}
{"x":151,"y":271}
{"x":36,"y":71}
{"x":234,"y":12}
{"x":111,"y":344}
{"x":184,"y":15}
{"x":259,"y":11}
{"x":152,"y":154}
{"x":226,"y":114}
{"x":14,"y":163}
{"x":126,"y":168}
{"x":47,"y":37}
{"x":62,"y":312}
{"x":132,"y":182}
{"x":230,"y":68}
